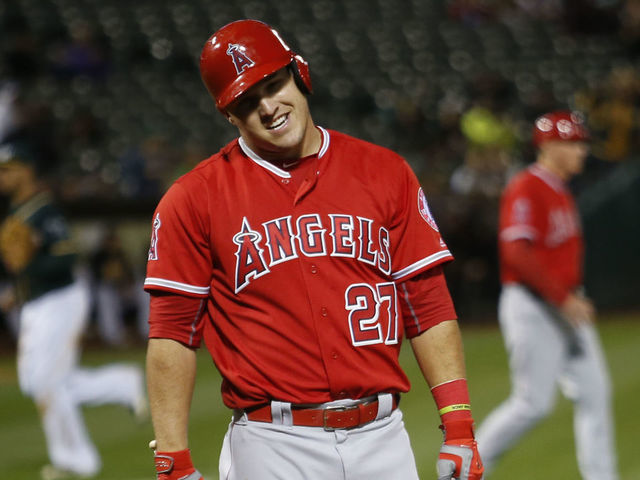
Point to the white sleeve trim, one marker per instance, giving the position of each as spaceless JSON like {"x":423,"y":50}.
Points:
{"x":184,"y":287}
{"x":518,"y":232}
{"x":421,"y":264}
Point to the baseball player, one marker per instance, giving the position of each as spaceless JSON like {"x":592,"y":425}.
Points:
{"x":35,"y":248}
{"x":302,"y":256}
{"x":546,"y":320}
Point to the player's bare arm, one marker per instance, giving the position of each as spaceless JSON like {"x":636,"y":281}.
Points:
{"x":171,"y":370}
{"x":439,"y":353}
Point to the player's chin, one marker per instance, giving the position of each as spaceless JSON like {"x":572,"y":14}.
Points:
{"x":285,"y":140}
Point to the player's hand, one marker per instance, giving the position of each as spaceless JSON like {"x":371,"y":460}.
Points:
{"x":174,"y":465}
{"x":578,"y":310}
{"x":459,"y":458}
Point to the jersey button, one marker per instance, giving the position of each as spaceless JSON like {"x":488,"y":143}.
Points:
{"x":285,"y":181}
{"x":313,"y":269}
{"x":334,"y":355}
{"x":324,"y":311}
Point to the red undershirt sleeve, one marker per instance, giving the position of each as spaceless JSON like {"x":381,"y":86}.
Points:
{"x":425,"y":301}
{"x":519,"y":255}
{"x":177,"y":317}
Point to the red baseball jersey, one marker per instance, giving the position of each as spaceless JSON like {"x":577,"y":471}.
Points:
{"x":537,"y":206}
{"x":299,"y":277}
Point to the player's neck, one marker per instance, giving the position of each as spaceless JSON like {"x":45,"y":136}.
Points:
{"x":312,"y":141}
{"x":551,"y":167}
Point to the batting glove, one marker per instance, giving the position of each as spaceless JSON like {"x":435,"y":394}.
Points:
{"x":174,"y":465}
{"x":459,"y":458}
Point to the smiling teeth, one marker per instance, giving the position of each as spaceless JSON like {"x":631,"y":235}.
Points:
{"x":280,"y":121}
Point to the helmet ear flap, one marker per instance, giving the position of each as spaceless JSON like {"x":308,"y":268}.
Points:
{"x":301,"y":74}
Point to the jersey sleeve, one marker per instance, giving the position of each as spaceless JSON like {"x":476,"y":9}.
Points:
{"x":416,"y":243}
{"x":519,"y":218}
{"x":176,"y":317}
{"x":179,"y":255}
{"x":425,"y":301}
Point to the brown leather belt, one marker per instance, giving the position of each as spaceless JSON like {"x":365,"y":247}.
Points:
{"x":329,"y":417}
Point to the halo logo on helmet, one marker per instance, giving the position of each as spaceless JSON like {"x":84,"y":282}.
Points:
{"x":240,"y":60}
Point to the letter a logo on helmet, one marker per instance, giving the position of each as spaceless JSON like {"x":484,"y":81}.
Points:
{"x":240,"y":60}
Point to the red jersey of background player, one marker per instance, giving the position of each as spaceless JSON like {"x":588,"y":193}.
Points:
{"x":537,"y":206}
{"x":300,"y":278}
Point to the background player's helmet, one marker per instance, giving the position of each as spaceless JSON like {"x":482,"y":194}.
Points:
{"x":559,"y":125}
{"x":17,"y":151}
{"x":241,"y":54}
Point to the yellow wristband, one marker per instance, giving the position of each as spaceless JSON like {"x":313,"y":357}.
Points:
{"x":454,"y":408}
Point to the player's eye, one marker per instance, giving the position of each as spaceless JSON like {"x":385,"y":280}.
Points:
{"x":245,"y":105}
{"x":275,"y":85}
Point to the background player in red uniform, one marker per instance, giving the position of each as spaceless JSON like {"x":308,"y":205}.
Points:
{"x":302,"y":256}
{"x":546,"y":320}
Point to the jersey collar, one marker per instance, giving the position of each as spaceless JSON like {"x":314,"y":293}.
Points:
{"x":270,"y":166}
{"x":547,"y":177}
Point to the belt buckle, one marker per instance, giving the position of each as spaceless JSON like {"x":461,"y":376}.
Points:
{"x":333,"y":408}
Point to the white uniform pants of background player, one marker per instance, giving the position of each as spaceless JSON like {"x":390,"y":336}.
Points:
{"x":545,"y":352}
{"x":280,"y":451}
{"x":48,"y":350}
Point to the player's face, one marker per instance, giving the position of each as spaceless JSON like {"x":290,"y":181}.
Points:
{"x":273,"y":118}
{"x":567,"y":158}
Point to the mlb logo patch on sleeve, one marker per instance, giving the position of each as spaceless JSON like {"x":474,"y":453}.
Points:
{"x":153,"y":248}
{"x":423,"y":207}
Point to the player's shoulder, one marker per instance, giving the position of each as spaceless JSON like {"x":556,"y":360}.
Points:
{"x":523,"y":180}
{"x":349,"y":145}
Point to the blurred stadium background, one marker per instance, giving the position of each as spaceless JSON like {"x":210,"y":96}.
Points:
{"x":112,"y":92}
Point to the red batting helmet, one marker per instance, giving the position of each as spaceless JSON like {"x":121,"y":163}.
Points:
{"x":241,"y":54}
{"x":559,"y":125}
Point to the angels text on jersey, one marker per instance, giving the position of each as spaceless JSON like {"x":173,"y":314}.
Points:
{"x":562,"y":222}
{"x":286,"y":238}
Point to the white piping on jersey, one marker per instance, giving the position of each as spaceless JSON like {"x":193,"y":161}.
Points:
{"x":325,"y":142}
{"x":518,"y":232}
{"x":420,"y":264}
{"x":270,"y":166}
{"x":196,"y":319}
{"x":184,"y":287}
{"x":547,"y":177}
{"x":32,"y":205}
{"x":414,"y":317}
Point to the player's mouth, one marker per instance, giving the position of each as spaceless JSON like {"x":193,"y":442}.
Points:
{"x":279,"y":122}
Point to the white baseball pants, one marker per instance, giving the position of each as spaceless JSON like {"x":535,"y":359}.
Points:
{"x":281,"y":451}
{"x":545,"y":352}
{"x":48,"y":351}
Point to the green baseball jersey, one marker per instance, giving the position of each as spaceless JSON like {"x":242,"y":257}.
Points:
{"x":52,"y":265}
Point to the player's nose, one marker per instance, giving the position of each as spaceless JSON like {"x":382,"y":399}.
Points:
{"x":267,"y":107}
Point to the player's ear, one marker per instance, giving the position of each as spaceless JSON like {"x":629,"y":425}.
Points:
{"x":230,"y":118}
